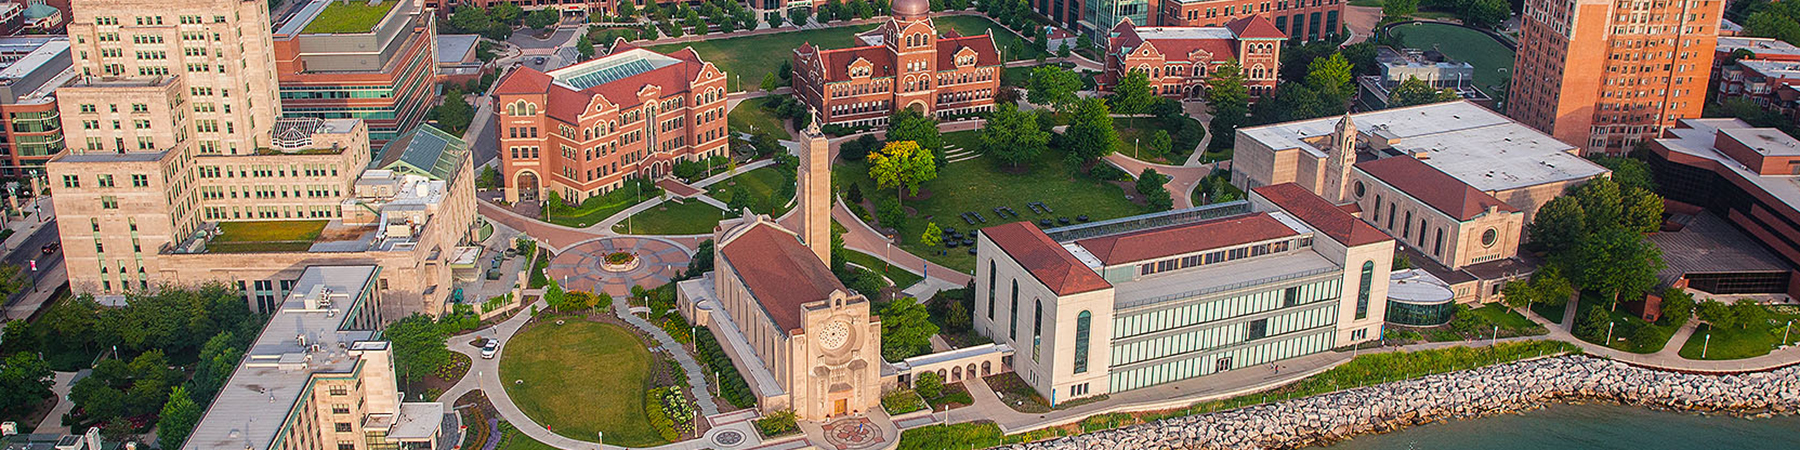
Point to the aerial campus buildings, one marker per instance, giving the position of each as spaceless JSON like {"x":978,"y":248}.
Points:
{"x":336,"y":62}
{"x":1177,"y":60}
{"x":905,"y":65}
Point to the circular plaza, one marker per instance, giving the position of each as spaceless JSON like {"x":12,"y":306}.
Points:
{"x":585,"y":266}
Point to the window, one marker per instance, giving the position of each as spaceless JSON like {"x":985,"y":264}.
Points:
{"x":340,"y":408}
{"x":1083,"y":322}
{"x":140,"y":180}
{"x":71,"y":181}
{"x":1290,"y":296}
{"x":104,"y":180}
{"x":1259,"y":329}
{"x":1037,"y":327}
{"x":262,"y":285}
{"x":109,"y":202}
{"x":1014,"y":311}
{"x":346,"y":445}
{"x":1362,"y":290}
{"x":991,"y":272}
{"x":1488,"y":237}
{"x":341,"y":427}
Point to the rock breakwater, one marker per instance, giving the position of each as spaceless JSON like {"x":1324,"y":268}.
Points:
{"x":1473,"y":393}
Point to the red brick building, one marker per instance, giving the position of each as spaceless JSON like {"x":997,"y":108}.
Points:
{"x":1178,"y":59}
{"x":384,"y":72}
{"x":907,"y":66}
{"x":1300,"y":20}
{"x":582,"y":130}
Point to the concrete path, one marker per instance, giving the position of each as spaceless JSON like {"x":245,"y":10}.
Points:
{"x":860,"y":237}
{"x":1182,"y":179}
{"x":696,"y":374}
{"x":52,"y":423}
{"x":1669,"y":358}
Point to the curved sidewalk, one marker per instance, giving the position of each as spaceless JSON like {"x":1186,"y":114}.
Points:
{"x":1669,"y":358}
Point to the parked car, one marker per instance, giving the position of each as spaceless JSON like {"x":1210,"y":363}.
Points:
{"x":539,"y":60}
{"x":51,"y":247}
{"x":490,"y":348}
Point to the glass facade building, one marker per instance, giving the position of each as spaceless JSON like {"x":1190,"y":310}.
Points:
{"x":1420,"y":314}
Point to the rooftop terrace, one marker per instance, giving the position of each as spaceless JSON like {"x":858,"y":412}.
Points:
{"x":338,"y":17}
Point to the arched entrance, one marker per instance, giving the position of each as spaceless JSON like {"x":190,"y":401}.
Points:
{"x":525,"y":187}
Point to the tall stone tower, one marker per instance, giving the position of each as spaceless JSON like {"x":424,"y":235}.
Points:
{"x":815,"y":191}
{"x":1338,"y":160}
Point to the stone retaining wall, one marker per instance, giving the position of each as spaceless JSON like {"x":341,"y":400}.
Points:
{"x":1458,"y":395}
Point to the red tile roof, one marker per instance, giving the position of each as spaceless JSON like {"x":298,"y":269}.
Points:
{"x":1255,"y":27}
{"x":567,"y":104}
{"x":1156,"y":243}
{"x":1436,"y":188}
{"x":1047,"y":261}
{"x":837,"y":62}
{"x":982,"y":44}
{"x":780,"y":273}
{"x":523,"y":81}
{"x":1321,"y":215}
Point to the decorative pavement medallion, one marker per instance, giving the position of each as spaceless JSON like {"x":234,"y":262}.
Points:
{"x":853,"y":432}
{"x":582,"y":267}
{"x":728,"y":438}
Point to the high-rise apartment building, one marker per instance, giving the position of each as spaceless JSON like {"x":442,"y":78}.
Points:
{"x":220,"y":49}
{"x":31,"y":68}
{"x":1604,"y":75}
{"x":375,"y":61}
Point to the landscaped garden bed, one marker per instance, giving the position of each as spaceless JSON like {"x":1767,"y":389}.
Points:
{"x":1756,"y":337}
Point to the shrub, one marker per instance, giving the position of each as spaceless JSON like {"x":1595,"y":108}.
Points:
{"x":732,"y":386}
{"x":776,"y":423}
{"x":659,"y":419}
{"x":902,"y":401}
{"x":891,"y":214}
{"x":929,"y":385}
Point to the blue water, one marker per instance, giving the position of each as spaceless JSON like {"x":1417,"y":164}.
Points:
{"x":1591,"y":427}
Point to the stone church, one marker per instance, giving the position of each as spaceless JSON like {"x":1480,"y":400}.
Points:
{"x":800,"y":338}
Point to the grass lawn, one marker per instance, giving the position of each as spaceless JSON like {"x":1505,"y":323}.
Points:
{"x":513,"y":439}
{"x":1553,"y":313}
{"x":1739,"y":343}
{"x":1498,"y":314}
{"x":266,"y":236}
{"x":752,"y":116}
{"x":595,"y":209}
{"x":747,"y":59}
{"x":760,"y":183}
{"x":349,"y":17}
{"x":1012,"y":47}
{"x":901,"y":277}
{"x":1631,"y":333}
{"x":1493,"y":62}
{"x":980,"y":185}
{"x":581,"y":378}
{"x":692,"y":217}
{"x":1134,"y":139}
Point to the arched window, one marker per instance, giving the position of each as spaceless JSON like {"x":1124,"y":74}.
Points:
{"x":1037,"y":327}
{"x":1014,"y":312}
{"x":1362,"y":290}
{"x":991,"y":272}
{"x":1082,"y":322}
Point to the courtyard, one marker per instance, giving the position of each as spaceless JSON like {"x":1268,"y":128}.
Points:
{"x":579,"y":379}
{"x":761,"y":184}
{"x":1493,"y":62}
{"x":979,"y":186}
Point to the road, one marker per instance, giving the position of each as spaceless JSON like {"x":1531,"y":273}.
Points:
{"x":47,"y":276}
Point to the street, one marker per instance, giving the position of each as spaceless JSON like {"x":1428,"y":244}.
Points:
{"x":48,"y":277}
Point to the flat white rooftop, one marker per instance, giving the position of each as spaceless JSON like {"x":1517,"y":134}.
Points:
{"x":1775,"y":69}
{"x":1697,"y":140}
{"x":1759,"y":46}
{"x":1154,"y":33}
{"x":1474,"y":144}
{"x":1179,"y":284}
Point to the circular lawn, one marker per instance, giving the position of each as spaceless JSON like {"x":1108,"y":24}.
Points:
{"x":581,"y":378}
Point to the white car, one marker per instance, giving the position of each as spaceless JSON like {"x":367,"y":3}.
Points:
{"x":490,"y":348}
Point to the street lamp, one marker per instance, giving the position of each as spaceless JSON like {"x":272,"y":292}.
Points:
{"x":1609,"y":328}
{"x":1705,"y":345}
{"x":1784,"y":333}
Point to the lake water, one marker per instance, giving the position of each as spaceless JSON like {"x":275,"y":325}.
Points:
{"x":1591,"y":427}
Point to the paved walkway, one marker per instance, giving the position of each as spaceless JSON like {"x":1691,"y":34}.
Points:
{"x":579,"y":267}
{"x":1669,"y":358}
{"x":52,"y":423}
{"x":1182,"y":179}
{"x":696,"y":374}
{"x":484,"y":375}
{"x":858,"y":236}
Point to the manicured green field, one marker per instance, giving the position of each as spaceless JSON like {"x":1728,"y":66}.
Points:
{"x":595,"y":209}
{"x":1649,"y":341}
{"x":752,"y":116}
{"x":747,"y":59}
{"x":349,"y":17}
{"x":266,"y":236}
{"x":581,"y":378}
{"x":1493,"y":62}
{"x":761,"y":183}
{"x":692,"y":217}
{"x":1739,"y":343}
{"x":902,"y":278}
{"x":1498,"y":314}
{"x":979,"y":186}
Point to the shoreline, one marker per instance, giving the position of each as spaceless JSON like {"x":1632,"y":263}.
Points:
{"x":1493,"y":390}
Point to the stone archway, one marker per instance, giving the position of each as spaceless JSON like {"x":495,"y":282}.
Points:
{"x":525,"y":187}
{"x":987,"y":368}
{"x":917,"y":106}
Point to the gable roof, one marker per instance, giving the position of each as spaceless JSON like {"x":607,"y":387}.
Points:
{"x":837,"y":62}
{"x":983,"y":45}
{"x":1255,"y":27}
{"x":1434,"y":187}
{"x":1047,"y":261}
{"x":523,"y":81}
{"x":780,"y":273}
{"x":1142,"y":245}
{"x":1333,"y":221}
{"x":427,"y":151}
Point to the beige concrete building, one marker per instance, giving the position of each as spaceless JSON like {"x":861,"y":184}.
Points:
{"x":319,"y":377}
{"x":1454,"y":182}
{"x":220,"y":49}
{"x":1140,"y":301}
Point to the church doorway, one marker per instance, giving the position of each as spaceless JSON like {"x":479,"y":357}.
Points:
{"x":840,"y":406}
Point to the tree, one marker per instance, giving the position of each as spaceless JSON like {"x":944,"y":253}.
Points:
{"x":471,"y":19}
{"x":906,"y":330}
{"x":775,"y":21}
{"x":902,"y":165}
{"x":506,"y":13}
{"x":1643,"y":211}
{"x":933,"y":236}
{"x":218,"y":358}
{"x":1133,"y":95}
{"x":1629,"y":172}
{"x":1677,"y":306}
{"x":929,"y":385}
{"x":1399,"y":8}
{"x":1053,"y":86}
{"x":1519,"y":294}
{"x":1748,"y":313}
{"x":1618,"y":262}
{"x":178,"y":419}
{"x":1551,"y":286}
{"x":418,"y":346}
{"x":1160,"y":143}
{"x":798,"y":16}
{"x":585,"y":47}
{"x":1230,"y":100}
{"x":455,"y":114}
{"x":911,"y":125}
{"x":1601,"y":200}
{"x":1090,"y":135}
{"x":1485,"y":14}
{"x":627,"y":9}
{"x":543,"y":18}
{"x":1331,"y":77}
{"x":1414,"y":91}
{"x":1716,"y":313}
{"x":1560,"y":224}
{"x":1013,"y":137}
{"x":1062,"y":51}
{"x":768,"y":82}
{"x":556,"y":297}
{"x":25,"y":381}
{"x":1150,"y":181}
{"x":1593,"y":324}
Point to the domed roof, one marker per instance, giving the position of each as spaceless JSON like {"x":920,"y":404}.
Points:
{"x":907,"y":9}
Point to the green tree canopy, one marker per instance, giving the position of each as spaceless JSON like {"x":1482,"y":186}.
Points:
{"x":906,"y":330}
{"x":1230,"y":100}
{"x":25,"y":381}
{"x":1090,"y":135}
{"x":1013,"y":136}
{"x":1053,"y":86}
{"x":1414,"y":91}
{"x":902,"y":165}
{"x":178,"y":418}
{"x":911,"y":125}
{"x":1560,"y":224}
{"x":1617,"y":262}
{"x":1133,"y":94}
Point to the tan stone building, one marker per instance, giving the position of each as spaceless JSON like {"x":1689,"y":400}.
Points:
{"x":220,"y":49}
{"x":1141,"y":301}
{"x":802,"y":340}
{"x":1454,"y":182}
{"x":319,"y":377}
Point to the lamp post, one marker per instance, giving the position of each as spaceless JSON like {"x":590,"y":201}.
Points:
{"x":1609,"y":328}
{"x":1785,"y":331}
{"x":1134,"y":148}
{"x":1705,"y":345}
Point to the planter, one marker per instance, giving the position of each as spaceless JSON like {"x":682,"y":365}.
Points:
{"x":619,"y":262}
